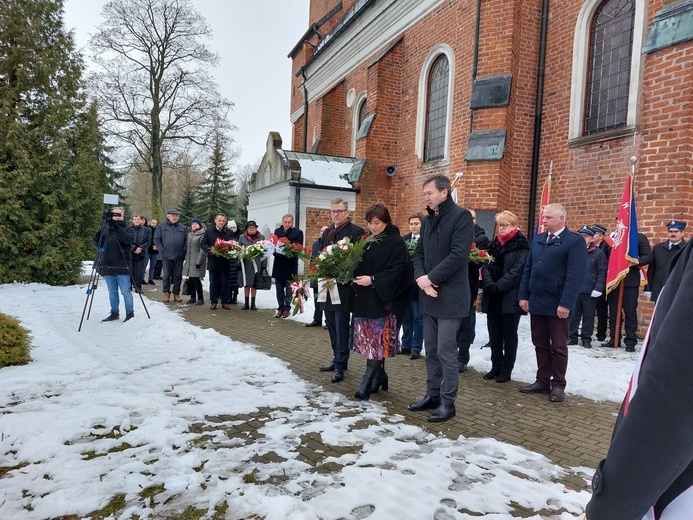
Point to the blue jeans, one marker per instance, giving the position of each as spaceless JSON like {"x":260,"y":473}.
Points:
{"x":152,"y":264}
{"x":412,"y":327}
{"x":122,"y":282}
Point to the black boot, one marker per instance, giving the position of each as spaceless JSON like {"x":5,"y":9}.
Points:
{"x":112,"y":317}
{"x":128,"y":316}
{"x":380,"y":379}
{"x":495,"y":370}
{"x":252,"y":304}
{"x":364,"y":391}
{"x":247,"y":304}
{"x":234,"y":296}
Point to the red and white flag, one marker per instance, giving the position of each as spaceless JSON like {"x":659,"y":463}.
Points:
{"x":625,"y":239}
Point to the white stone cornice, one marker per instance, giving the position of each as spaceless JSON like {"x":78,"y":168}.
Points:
{"x":372,"y":31}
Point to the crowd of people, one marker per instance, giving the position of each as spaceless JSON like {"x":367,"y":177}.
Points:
{"x":419,"y":291}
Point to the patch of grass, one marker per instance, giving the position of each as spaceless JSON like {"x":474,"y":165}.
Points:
{"x":115,"y":505}
{"x":250,"y":478}
{"x":220,"y":511}
{"x":200,"y":441}
{"x":190,"y":513}
{"x":151,"y":492}
{"x":6,"y":469}
{"x":91,"y":454}
{"x":121,"y":447}
{"x":150,"y":462}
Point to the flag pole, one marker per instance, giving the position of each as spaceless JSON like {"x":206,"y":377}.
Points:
{"x":621,"y":286}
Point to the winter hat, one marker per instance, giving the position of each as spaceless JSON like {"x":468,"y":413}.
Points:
{"x":198,"y":221}
{"x":172,"y":212}
{"x":232,"y":224}
{"x":250,"y":223}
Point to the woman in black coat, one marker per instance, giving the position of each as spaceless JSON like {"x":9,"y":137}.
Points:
{"x":379,"y":297}
{"x":501,"y":282}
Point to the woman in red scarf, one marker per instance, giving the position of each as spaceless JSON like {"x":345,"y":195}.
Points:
{"x":501,"y":282}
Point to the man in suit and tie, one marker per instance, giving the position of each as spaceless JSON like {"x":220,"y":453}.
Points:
{"x":412,"y":324}
{"x":549,"y":288}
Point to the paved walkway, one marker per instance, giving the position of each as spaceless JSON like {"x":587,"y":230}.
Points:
{"x":574,"y":433}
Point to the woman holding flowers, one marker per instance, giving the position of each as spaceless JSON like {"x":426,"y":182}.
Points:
{"x":501,"y":282}
{"x":250,"y":266}
{"x":379,"y":297}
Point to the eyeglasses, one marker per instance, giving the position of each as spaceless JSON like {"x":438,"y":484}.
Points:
{"x":337,"y":211}
{"x":117,"y":214}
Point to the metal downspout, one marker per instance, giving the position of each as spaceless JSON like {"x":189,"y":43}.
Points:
{"x":475,"y":60}
{"x":538,"y":116}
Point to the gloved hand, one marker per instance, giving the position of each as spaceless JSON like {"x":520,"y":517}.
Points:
{"x":596,"y":294}
{"x":493,"y":290}
{"x":197,"y":266}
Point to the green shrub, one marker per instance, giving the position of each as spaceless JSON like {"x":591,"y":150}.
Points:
{"x":14,"y":342}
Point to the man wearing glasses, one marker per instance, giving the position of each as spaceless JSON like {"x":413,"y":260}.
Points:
{"x":336,"y":315}
{"x":114,"y":262}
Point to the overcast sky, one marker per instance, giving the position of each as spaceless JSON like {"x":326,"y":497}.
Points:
{"x":253,"y":39}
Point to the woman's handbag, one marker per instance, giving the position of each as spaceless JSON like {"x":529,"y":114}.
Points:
{"x":185,"y":289}
{"x":263,"y":281}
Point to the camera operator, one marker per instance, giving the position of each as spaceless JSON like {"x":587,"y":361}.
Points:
{"x":114,"y":264}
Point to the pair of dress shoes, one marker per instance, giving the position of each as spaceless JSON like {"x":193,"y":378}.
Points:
{"x":441,"y":411}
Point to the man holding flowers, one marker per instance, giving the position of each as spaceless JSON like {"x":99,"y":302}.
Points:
{"x":285,"y":267}
{"x":336,"y":315}
{"x":440,"y":270}
{"x":217,"y":265}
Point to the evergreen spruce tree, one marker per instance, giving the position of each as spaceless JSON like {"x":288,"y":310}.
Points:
{"x":187,"y":207}
{"x":51,"y":179}
{"x":217,"y":186}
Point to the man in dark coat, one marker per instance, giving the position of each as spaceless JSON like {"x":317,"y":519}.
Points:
{"x":336,"y":313}
{"x":317,"y":313}
{"x":171,"y":239}
{"x":284,"y":269}
{"x":114,"y":243}
{"x":217,"y":266}
{"x":662,"y":253}
{"x":550,"y":286}
{"x":631,"y":293}
{"x":412,"y":323}
{"x":139,"y":250}
{"x":440,"y":271}
{"x":593,"y":286}
{"x":467,"y":330}
{"x":648,"y":471}
{"x":602,"y":305}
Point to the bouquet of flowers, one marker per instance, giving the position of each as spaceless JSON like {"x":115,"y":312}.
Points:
{"x":226,"y":248}
{"x":301,"y":292}
{"x":479,"y":256}
{"x":336,"y":263}
{"x":411,"y":245}
{"x":291,"y":249}
{"x":261,"y":249}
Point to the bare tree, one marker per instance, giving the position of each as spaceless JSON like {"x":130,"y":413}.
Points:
{"x":153,"y":81}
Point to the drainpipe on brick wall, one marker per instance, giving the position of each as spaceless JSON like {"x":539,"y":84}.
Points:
{"x":538,"y":116}
{"x":297,"y":201}
{"x":475,"y":61}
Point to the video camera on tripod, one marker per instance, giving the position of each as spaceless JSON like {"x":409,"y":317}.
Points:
{"x":102,"y":237}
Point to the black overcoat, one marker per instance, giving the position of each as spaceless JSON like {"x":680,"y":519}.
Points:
{"x":505,"y":273}
{"x":658,"y":270}
{"x":354,"y":233}
{"x":117,"y":244}
{"x":443,"y":254}
{"x":215,"y":263}
{"x":286,"y":268}
{"x":387,"y":261}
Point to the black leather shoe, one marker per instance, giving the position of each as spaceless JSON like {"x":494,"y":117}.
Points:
{"x":461,"y":367}
{"x":427,"y":403}
{"x":338,"y":375}
{"x":610,"y":344}
{"x":406,"y":351}
{"x":313,"y":324}
{"x":586,"y":343}
{"x":415,"y":354}
{"x":630,"y":349}
{"x":492,"y":374}
{"x":557,"y":395}
{"x":327,"y":368}
{"x":442,"y":413}
{"x":535,"y":388}
{"x":572,"y":342}
{"x":151,"y":282}
{"x":111,"y":317}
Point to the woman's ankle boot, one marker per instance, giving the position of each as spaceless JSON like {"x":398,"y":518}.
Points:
{"x":364,"y":391}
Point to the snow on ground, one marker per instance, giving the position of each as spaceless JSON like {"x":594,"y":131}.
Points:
{"x":119,"y":408}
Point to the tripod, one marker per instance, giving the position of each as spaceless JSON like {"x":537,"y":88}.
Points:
{"x":98,"y":261}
